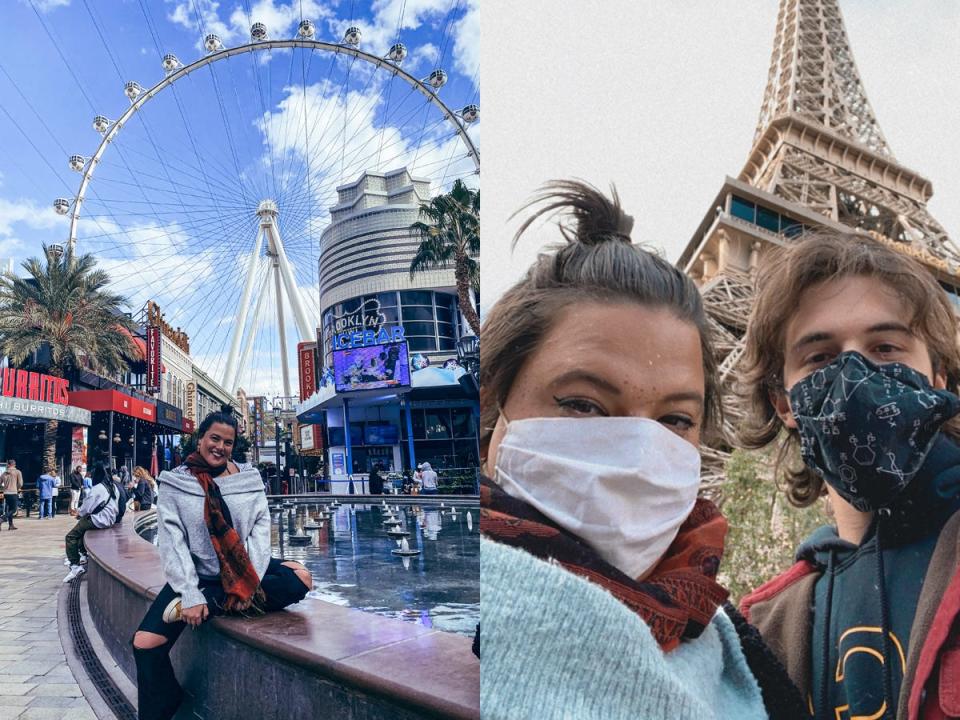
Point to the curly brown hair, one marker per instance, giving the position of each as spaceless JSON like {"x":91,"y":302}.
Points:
{"x":598,"y":262}
{"x":784,"y":275}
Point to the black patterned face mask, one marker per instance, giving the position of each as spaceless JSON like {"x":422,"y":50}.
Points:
{"x":867,"y":428}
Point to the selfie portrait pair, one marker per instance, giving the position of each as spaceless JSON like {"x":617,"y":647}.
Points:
{"x":809,"y":326}
{"x":597,"y":551}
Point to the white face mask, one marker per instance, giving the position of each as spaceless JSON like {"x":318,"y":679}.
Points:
{"x":623,"y":485}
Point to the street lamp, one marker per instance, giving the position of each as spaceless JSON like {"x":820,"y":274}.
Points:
{"x":277,"y":409}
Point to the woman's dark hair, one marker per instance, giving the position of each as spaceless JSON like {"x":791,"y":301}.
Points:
{"x":600,"y":263}
{"x":100,"y":474}
{"x":226,"y":417}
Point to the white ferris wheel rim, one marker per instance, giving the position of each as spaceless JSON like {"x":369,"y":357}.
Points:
{"x":378,"y":62}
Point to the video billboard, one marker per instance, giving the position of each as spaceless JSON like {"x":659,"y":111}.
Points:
{"x":372,"y":367}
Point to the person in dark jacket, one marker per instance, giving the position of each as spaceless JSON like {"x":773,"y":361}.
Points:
{"x":376,"y":480}
{"x":76,"y":485}
{"x":851,"y":358}
{"x":144,"y":490}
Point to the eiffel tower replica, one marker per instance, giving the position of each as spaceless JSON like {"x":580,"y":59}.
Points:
{"x":818,"y":161}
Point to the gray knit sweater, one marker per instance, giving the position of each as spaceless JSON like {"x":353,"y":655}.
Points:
{"x":185,"y":547}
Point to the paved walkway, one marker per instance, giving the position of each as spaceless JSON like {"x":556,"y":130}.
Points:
{"x":35,"y":681}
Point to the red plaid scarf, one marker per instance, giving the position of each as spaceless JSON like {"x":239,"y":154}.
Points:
{"x":240,"y":581}
{"x":677,"y":600}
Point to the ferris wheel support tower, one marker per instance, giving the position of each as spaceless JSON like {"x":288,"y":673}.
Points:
{"x":284,"y":282}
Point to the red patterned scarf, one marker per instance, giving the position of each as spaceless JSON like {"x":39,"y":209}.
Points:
{"x":240,"y":581}
{"x":677,"y":600}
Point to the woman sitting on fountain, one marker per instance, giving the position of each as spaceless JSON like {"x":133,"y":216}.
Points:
{"x":214,"y":537}
{"x":598,"y":561}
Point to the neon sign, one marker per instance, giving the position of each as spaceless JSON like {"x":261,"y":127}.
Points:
{"x":365,"y":338}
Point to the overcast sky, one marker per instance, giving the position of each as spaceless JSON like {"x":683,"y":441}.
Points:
{"x":662,"y":98}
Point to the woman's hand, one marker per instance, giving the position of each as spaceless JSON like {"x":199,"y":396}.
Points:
{"x":194,"y":616}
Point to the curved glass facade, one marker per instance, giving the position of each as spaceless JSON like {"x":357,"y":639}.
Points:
{"x":429,"y":318}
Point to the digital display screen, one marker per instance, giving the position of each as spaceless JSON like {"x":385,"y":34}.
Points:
{"x":382,"y":434}
{"x":373,"y":367}
{"x":337,"y":436}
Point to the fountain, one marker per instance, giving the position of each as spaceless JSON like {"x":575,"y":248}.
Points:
{"x":405,"y":550}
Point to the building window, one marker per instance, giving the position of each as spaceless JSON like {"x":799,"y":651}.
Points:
{"x":766,"y":218}
{"x":429,"y":318}
{"x":743,"y":209}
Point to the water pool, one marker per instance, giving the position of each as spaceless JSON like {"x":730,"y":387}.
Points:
{"x":352,"y":562}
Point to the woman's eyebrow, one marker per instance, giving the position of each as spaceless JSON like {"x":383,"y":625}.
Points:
{"x":684,"y":395}
{"x":588,"y":377}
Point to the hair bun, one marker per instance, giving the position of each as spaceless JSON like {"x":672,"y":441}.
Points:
{"x":596,"y":218}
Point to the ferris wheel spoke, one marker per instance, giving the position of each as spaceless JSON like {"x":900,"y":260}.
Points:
{"x":221,"y":178}
{"x":188,"y":197}
{"x":174,"y":239}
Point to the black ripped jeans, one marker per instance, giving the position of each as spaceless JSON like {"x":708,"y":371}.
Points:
{"x":158,"y":692}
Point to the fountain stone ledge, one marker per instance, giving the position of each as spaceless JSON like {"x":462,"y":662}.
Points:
{"x":315,"y":659}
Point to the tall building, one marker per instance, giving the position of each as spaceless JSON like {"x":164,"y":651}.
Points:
{"x":819,"y":160}
{"x":364,"y":267}
{"x":389,"y":393}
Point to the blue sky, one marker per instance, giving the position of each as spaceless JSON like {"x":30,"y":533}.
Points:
{"x":170,"y":207}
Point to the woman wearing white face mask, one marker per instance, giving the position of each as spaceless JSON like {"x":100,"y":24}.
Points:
{"x":598,"y":561}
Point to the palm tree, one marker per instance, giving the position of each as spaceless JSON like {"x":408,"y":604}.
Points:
{"x":449,"y":230}
{"x":62,"y":303}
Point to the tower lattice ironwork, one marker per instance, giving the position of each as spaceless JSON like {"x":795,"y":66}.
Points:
{"x":819,"y":159}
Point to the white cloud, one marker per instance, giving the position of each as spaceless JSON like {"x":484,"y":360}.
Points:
{"x":466,"y":46}
{"x":156,"y":263}
{"x":280,"y":19}
{"x":185,"y":15}
{"x":46,"y":6}
{"x":438,"y":154}
{"x":27,"y":214}
{"x":424,"y":56}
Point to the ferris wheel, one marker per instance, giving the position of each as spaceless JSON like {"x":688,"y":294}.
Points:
{"x":208,"y":193}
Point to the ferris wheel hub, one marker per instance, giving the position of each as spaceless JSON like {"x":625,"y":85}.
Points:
{"x":267,"y":207}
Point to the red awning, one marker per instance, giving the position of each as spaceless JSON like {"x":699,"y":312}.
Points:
{"x":105,"y":400}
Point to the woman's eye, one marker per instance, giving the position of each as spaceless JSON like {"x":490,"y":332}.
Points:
{"x":678,"y":422}
{"x":580,"y":406}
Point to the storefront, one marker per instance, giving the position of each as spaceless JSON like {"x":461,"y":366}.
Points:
{"x":28,"y":401}
{"x":379,"y":407}
{"x":123,"y":428}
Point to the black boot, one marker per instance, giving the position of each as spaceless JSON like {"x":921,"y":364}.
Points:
{"x":158,"y":692}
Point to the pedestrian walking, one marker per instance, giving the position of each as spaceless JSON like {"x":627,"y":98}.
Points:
{"x":45,"y":486}
{"x":57,"y":484}
{"x":215,"y":547}
{"x":12,"y":484}
{"x":76,"y":486}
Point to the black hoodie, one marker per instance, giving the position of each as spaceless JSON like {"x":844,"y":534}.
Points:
{"x":861,"y":594}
